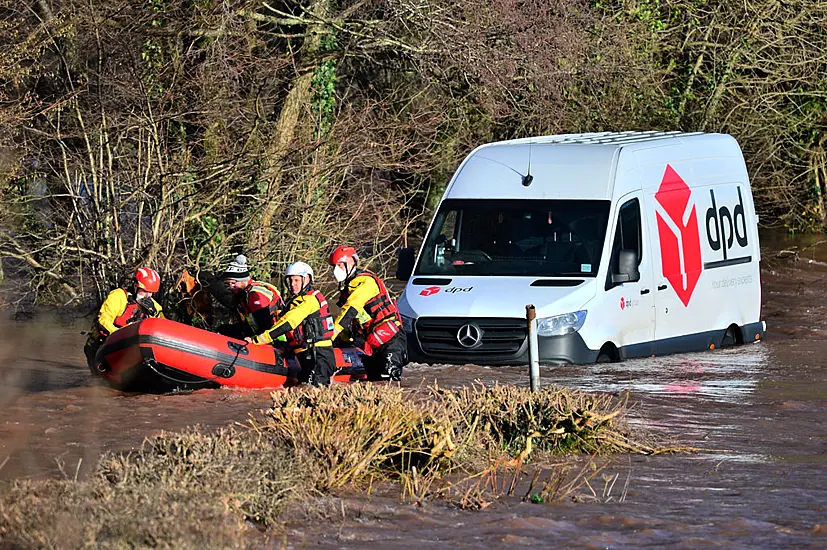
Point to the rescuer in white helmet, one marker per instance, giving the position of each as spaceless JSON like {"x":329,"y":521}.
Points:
{"x":307,"y":324}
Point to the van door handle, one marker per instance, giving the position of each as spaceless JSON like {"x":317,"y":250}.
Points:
{"x":661,"y":287}
{"x":644,"y":291}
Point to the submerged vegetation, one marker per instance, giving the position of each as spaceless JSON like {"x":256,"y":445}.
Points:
{"x":175,"y":132}
{"x":224,"y":489}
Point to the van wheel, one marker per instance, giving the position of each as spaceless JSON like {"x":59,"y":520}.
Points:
{"x":731,"y":337}
{"x":607,"y":354}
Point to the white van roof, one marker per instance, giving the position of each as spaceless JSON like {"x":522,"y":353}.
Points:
{"x":598,"y":138}
{"x":565,"y":166}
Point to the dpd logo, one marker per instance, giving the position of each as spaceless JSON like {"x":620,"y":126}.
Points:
{"x":627,"y":303}
{"x":727,"y":226}
{"x":680,"y":243}
{"x":455,"y":289}
{"x":431,"y":290}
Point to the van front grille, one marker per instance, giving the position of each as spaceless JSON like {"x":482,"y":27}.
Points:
{"x":498,"y":338}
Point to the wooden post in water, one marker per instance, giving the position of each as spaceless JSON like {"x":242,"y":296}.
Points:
{"x":533,"y":350}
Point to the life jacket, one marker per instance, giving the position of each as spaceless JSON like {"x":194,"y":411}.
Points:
{"x":268,"y":290}
{"x":384,"y":321}
{"x":316,"y":327}
{"x":133,"y":313}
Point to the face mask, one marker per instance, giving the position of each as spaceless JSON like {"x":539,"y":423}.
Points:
{"x":339,"y":274}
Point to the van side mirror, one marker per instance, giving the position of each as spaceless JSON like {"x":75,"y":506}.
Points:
{"x":405,"y":258}
{"x":627,"y":271}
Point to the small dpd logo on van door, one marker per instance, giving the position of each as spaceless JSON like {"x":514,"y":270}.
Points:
{"x":680,"y":243}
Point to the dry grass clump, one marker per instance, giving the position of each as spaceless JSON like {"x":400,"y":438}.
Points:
{"x":94,"y":514}
{"x":196,"y":490}
{"x":254,"y":475}
{"x":188,"y":490}
{"x":557,"y":420}
{"x":358,"y":432}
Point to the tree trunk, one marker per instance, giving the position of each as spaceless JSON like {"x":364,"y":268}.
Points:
{"x":295,"y":114}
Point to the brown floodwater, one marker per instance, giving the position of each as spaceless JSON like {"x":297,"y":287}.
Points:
{"x":758,"y":410}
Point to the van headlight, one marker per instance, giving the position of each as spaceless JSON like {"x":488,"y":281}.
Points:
{"x":561,"y":324}
{"x":407,"y":323}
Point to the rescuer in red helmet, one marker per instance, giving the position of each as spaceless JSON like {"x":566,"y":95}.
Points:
{"x":124,"y":306}
{"x":368,"y":316}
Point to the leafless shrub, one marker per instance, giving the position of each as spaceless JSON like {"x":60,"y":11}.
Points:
{"x":178,"y":134}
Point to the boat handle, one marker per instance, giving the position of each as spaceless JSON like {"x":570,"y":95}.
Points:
{"x":238,"y":348}
{"x":223,"y":371}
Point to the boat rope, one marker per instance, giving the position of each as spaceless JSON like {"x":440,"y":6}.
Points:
{"x":151,"y":365}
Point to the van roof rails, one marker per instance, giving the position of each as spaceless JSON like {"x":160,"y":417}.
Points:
{"x":606,"y":138}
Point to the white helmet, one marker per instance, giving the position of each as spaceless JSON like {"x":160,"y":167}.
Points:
{"x":299,"y":268}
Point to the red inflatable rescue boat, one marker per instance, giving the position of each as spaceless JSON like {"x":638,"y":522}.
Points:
{"x":159,"y":354}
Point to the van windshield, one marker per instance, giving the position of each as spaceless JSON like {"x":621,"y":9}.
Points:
{"x":545,"y":238}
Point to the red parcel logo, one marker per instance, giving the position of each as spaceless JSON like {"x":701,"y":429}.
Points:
{"x":680,"y":242}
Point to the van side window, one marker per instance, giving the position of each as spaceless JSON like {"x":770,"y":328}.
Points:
{"x":627,"y":236}
{"x":450,"y":226}
{"x":446,"y":244}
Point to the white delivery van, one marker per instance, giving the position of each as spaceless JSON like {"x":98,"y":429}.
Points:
{"x":628,"y":244}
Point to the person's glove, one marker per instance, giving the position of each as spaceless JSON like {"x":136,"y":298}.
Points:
{"x":366,"y":348}
{"x":148,"y":305}
{"x":361,"y":344}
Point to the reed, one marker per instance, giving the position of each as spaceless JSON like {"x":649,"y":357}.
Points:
{"x":354,"y":433}
{"x":554,"y":419}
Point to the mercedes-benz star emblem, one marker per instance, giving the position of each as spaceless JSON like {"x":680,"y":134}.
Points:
{"x":469,"y":335}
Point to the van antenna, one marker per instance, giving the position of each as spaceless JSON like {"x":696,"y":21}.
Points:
{"x":528,"y":178}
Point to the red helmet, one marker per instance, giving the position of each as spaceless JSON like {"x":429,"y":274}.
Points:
{"x":147,"y":279}
{"x":342,"y":253}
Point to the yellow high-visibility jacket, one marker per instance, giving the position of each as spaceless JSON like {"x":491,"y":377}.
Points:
{"x":301,"y":309}
{"x":367,"y":304}
{"x":120,"y":309}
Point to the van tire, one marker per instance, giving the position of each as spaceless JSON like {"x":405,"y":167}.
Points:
{"x":732,"y":337}
{"x":607,"y":354}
